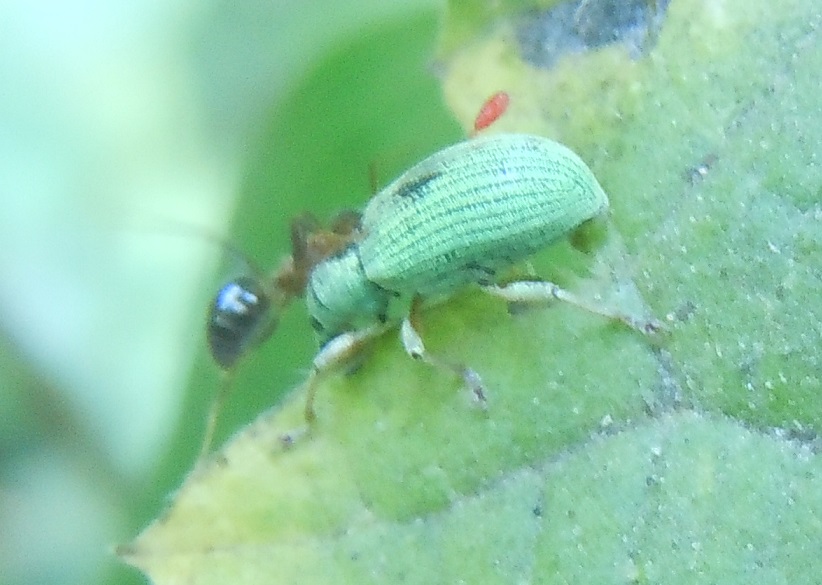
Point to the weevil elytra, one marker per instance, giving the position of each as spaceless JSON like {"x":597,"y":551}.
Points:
{"x":456,"y":218}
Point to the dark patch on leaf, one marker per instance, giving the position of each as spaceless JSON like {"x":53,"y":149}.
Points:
{"x":583,"y":25}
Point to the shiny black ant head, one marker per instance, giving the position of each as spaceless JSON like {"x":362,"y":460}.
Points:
{"x":238,"y":319}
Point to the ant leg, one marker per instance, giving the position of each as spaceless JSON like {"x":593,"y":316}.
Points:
{"x":302,"y":227}
{"x":346,"y":223}
{"x":543,"y":292}
{"x":310,"y":245}
{"x":414,"y":347}
{"x":214,"y":412}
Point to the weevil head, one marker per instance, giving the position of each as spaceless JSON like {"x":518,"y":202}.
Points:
{"x":238,"y":319}
{"x":340,"y":297}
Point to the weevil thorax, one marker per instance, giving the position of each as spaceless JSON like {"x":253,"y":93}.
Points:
{"x":339,"y":297}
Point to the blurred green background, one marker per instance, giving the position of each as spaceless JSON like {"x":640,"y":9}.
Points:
{"x":123,"y":127}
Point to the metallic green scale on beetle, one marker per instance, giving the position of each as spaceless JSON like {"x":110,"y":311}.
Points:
{"x":473,"y":208}
{"x":455,"y":218}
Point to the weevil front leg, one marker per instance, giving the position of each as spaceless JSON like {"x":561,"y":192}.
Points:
{"x":544,"y":291}
{"x":338,"y":352}
{"x":414,"y":347}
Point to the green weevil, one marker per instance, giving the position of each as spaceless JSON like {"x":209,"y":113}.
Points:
{"x":459,"y":217}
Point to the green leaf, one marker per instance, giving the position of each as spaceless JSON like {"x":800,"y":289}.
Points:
{"x":602,"y":457}
{"x":666,"y":500}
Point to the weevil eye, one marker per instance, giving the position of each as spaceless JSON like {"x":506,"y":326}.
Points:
{"x":238,"y":319}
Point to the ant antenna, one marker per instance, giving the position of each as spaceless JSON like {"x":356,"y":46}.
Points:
{"x":181,"y":229}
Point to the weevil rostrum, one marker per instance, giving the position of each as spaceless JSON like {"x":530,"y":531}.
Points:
{"x":457,"y":218}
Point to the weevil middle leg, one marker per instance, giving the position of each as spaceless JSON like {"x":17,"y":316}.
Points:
{"x":414,"y":347}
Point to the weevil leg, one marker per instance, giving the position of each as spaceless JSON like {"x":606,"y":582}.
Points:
{"x":334,"y":354}
{"x":543,"y":291}
{"x":414,"y":347}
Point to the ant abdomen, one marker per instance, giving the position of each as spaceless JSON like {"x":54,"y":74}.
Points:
{"x":237,"y":320}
